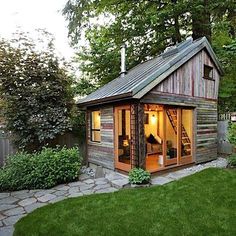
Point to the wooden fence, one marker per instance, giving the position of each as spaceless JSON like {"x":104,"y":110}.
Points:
{"x":224,"y":147}
{"x":6,"y":147}
{"x":68,"y":140}
{"x":226,"y":116}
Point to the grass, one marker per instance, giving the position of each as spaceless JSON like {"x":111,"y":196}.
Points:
{"x":201,"y":204}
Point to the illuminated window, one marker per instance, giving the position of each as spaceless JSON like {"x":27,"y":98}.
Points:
{"x":208,"y":72}
{"x":95,"y":126}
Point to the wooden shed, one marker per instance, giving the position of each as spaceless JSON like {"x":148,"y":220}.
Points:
{"x":160,"y":114}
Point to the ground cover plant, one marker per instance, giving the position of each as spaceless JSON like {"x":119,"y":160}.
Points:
{"x":43,"y":169}
{"x":201,"y":204}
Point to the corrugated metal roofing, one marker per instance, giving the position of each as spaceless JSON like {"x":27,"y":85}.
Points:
{"x":143,"y":74}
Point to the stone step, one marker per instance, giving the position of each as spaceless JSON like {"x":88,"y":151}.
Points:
{"x":120,"y":183}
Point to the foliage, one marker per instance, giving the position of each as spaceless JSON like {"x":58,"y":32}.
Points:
{"x":201,"y":204}
{"x":147,"y":27}
{"x":139,"y":176}
{"x":225,"y":48}
{"x":36,"y":90}
{"x":78,"y":124}
{"x":232,"y":133}
{"x":43,"y":169}
{"x":232,"y":160}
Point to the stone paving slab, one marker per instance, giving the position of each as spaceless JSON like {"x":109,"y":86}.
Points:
{"x":47,"y":197}
{"x":57,"y":199}
{"x":6,"y":231}
{"x":87,"y":192}
{"x":2,"y":216}
{"x":27,"y":201}
{"x":34,"y":206}
{"x":160,"y":180}
{"x":4,"y":207}
{"x":44,"y":192}
{"x":60,"y":193}
{"x":89,"y":181}
{"x":12,"y":219}
{"x":75,"y":195}
{"x":15,"y":211}
{"x":8,"y":200}
{"x":120,"y":183}
{"x":4,"y":195}
{"x":107,"y":190}
{"x":16,"y":205}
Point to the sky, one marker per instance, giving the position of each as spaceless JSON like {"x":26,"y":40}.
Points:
{"x":32,"y":14}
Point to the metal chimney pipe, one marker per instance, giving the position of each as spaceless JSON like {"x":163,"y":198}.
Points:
{"x":123,"y":56}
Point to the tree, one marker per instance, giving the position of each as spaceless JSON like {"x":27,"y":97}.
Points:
{"x":225,"y":47}
{"x":147,"y":27}
{"x":36,"y":90}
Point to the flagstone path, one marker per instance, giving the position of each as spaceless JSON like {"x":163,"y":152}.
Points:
{"x":15,"y":205}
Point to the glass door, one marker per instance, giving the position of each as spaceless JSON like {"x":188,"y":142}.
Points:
{"x":122,"y":138}
{"x":171,"y":130}
{"x":186,"y":135}
{"x":178,"y":135}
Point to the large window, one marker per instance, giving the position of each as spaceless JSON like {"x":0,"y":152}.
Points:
{"x":95,"y":126}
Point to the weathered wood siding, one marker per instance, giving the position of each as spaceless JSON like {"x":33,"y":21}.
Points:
{"x":205,"y":127}
{"x":188,"y":79}
{"x":102,"y":153}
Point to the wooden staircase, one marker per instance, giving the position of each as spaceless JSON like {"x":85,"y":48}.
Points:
{"x":185,"y":140}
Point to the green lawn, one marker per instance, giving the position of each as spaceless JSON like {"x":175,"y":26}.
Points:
{"x":201,"y":204}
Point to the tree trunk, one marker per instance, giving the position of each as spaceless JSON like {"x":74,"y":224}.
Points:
{"x":177,"y":36}
{"x":201,"y":24}
{"x":232,"y":19}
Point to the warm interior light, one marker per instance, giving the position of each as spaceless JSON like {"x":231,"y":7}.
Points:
{"x":153,"y":119}
{"x":125,"y":143}
{"x":97,"y":119}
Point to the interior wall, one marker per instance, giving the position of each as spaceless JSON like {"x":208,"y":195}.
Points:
{"x":186,"y":121}
{"x":170,"y":133}
{"x":151,"y":127}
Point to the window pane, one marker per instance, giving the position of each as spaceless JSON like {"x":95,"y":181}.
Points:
{"x":95,"y":126}
{"x":96,"y":136}
{"x":153,"y":136}
{"x":208,"y":72}
{"x":171,"y":135}
{"x":96,"y":120}
{"x":124,"y":136}
{"x":186,"y":134}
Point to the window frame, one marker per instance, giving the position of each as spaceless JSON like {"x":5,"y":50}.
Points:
{"x":211,"y":71}
{"x":91,"y":126}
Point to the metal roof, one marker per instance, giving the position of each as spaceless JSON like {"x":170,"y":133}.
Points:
{"x":145,"y":76}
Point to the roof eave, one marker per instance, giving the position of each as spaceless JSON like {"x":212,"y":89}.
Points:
{"x":105,"y":100}
{"x":213,"y":56}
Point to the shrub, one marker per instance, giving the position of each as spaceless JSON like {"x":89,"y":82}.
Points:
{"x":139,"y":176}
{"x":44,"y":169}
{"x":232,"y":160}
{"x":232,"y":133}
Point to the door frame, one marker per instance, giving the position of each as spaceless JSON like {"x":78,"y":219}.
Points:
{"x":179,"y":160}
{"x":120,"y":165}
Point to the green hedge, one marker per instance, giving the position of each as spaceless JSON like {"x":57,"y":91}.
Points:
{"x":44,"y":169}
{"x":232,"y":160}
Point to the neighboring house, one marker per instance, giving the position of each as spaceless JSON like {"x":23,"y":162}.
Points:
{"x":160,"y":114}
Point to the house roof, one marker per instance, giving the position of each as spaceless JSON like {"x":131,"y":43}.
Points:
{"x":145,"y":76}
